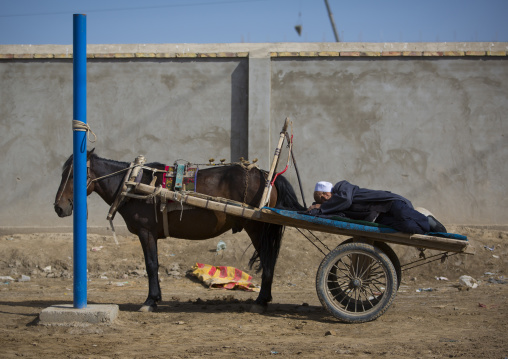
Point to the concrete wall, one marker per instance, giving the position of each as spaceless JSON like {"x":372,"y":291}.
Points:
{"x":427,"y":121}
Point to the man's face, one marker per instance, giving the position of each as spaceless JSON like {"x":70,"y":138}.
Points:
{"x":321,"y":197}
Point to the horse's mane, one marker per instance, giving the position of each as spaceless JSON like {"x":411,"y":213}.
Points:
{"x":67,"y":163}
{"x":92,"y":156}
{"x":157,"y":165}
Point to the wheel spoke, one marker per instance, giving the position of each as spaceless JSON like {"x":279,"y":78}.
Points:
{"x":349,"y":268}
{"x":345,"y":271}
{"x":368,"y":300}
{"x":376,"y":275}
{"x":341,"y":282}
{"x":368,"y":269}
{"x":340,"y":276}
{"x":360,"y":299}
{"x":355,"y":274}
{"x":346,"y":294}
{"x":376,"y":279}
{"x":377,"y":288}
{"x":348,"y":301}
{"x":355,"y":297}
{"x":372,"y":292}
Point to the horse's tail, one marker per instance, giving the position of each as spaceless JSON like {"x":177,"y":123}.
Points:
{"x":271,"y":234}
{"x":286,"y":196}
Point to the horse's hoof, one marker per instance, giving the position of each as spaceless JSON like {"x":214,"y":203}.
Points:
{"x":258,"y":309}
{"x":146,"y":308}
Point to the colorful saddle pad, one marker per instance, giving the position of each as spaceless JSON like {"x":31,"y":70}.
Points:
{"x":180,"y":177}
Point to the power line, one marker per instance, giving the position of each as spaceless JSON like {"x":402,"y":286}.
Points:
{"x":135,"y":8}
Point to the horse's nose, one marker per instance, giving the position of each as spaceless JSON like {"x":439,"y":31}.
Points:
{"x":63,"y":210}
{"x":59,"y":210}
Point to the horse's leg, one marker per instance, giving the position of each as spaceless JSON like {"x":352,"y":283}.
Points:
{"x":149,"y":243}
{"x":266,"y":239}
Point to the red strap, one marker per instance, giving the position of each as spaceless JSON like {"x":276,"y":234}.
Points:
{"x":285,"y":169}
{"x":164,"y":177}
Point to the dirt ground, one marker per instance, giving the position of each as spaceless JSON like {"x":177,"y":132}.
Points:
{"x":193,"y":321}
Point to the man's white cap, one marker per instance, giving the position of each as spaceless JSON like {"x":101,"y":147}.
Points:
{"x":323,"y":186}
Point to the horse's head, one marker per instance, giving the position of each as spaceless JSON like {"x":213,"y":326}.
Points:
{"x":64,"y":196}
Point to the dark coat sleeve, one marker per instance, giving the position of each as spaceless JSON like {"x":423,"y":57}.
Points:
{"x":342,"y":198}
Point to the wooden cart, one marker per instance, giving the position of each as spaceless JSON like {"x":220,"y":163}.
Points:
{"x":357,"y":281}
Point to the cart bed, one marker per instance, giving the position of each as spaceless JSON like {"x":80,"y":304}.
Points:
{"x":457,"y":243}
{"x":442,"y":241}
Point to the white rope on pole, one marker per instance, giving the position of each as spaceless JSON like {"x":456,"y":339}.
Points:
{"x":84,"y":127}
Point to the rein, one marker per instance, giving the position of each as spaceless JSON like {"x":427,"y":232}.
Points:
{"x":154,"y":170}
{"x":65,"y":185}
{"x":109,"y":175}
{"x":90,"y":180}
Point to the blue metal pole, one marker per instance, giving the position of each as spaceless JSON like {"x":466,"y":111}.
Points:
{"x":80,"y":158}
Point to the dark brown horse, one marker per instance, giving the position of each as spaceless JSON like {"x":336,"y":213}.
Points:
{"x":231,"y":181}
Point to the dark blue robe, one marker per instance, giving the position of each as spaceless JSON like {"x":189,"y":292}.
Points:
{"x":383,"y":207}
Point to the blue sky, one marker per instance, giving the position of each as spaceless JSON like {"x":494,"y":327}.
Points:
{"x":231,"y":21}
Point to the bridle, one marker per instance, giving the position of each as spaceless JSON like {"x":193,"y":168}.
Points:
{"x":64,"y":186}
{"x":90,"y":180}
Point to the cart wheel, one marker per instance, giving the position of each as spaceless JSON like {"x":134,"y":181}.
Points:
{"x":356,"y":282}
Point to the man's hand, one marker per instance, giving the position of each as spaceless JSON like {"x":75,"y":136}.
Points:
{"x":315,"y":205}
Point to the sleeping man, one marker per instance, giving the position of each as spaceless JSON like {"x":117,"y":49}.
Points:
{"x":383,"y":207}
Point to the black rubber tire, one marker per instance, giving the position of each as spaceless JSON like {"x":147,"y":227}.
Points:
{"x":385,"y":247}
{"x":356,"y":282}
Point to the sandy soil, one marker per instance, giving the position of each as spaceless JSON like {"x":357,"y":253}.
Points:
{"x":195,"y":322}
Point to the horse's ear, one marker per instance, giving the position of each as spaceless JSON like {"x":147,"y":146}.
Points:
{"x":91,"y":151}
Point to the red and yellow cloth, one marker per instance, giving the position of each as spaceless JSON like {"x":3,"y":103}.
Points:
{"x":224,"y":277}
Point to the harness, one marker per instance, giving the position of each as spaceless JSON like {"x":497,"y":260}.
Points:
{"x":179,"y":178}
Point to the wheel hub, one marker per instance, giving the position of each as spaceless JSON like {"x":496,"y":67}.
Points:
{"x":355,"y":283}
